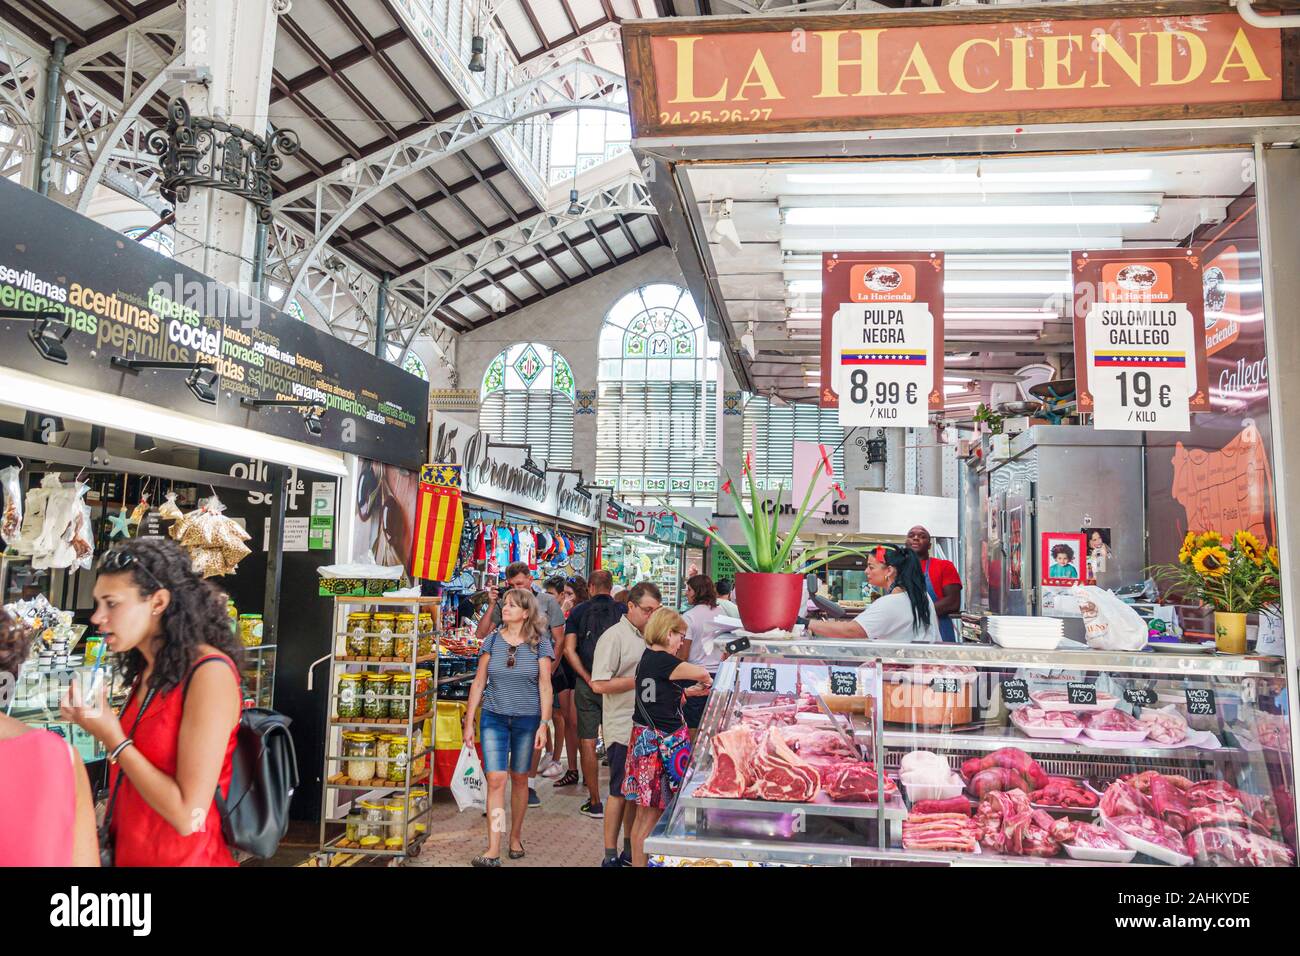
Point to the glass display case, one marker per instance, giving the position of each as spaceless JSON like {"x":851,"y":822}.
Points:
{"x":259,"y":675}
{"x":852,"y":752}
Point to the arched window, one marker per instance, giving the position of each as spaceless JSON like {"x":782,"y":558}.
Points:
{"x":415,"y":365}
{"x":527,"y":399}
{"x":657,"y":428}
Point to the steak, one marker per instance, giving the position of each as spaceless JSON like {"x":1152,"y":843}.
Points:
{"x":853,"y":780}
{"x":779,"y":773}
{"x":732,"y":751}
{"x":1170,"y":804}
{"x":1237,"y":847}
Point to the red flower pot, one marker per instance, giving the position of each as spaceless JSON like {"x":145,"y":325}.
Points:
{"x":769,"y":601}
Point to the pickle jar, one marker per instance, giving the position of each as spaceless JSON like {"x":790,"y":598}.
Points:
{"x":424,"y":645}
{"x":351,"y":696}
{"x":423,"y":681}
{"x":399,"y":708}
{"x":359,"y":751}
{"x":381,"y":757}
{"x":382,"y":627}
{"x":426,"y":623}
{"x":374,"y":819}
{"x":419,"y":805}
{"x":359,"y":633}
{"x":377,"y":689}
{"x":250,"y":630}
{"x":399,"y":755}
{"x":395,"y":815}
{"x":352,"y":826}
{"x":403,"y":644}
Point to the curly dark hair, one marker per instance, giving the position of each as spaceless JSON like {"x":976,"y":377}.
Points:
{"x":15,"y":641}
{"x":1064,"y":549}
{"x":705,"y":592}
{"x":196,"y":613}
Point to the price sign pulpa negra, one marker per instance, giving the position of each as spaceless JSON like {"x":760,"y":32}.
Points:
{"x":762,"y":680}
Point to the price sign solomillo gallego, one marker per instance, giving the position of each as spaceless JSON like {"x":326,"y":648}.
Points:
{"x":882,"y":337}
{"x":1140,"y":349}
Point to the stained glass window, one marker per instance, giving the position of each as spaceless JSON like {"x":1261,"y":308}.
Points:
{"x":657,"y":425}
{"x":527,"y":398}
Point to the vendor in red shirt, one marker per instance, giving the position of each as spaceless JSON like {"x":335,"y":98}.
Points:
{"x":942,"y":581}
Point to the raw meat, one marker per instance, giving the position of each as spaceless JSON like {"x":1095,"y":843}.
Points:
{"x":853,"y":780}
{"x":996,"y":779}
{"x":1123,"y":799}
{"x":940,"y":831}
{"x":1142,"y":781}
{"x":1008,"y":824}
{"x":779,"y":774}
{"x":1063,"y":792}
{"x":1166,"y":727}
{"x":1219,"y":814}
{"x":1150,"y":829}
{"x":805,"y":740}
{"x":1206,"y":792}
{"x":1114,"y":720}
{"x":1036,"y":718}
{"x":1239,"y":847}
{"x":1089,"y":835}
{"x":955,"y":805}
{"x":1169,"y":803}
{"x":732,"y":751}
{"x":1012,"y":758}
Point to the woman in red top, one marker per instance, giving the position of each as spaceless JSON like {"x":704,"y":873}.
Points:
{"x":47,"y":817}
{"x":164,"y":622}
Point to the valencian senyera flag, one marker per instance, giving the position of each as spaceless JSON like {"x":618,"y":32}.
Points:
{"x":438,"y":523}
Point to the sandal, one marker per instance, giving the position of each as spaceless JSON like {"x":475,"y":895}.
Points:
{"x":568,"y":780}
{"x":485,"y":861}
{"x":519,"y":853}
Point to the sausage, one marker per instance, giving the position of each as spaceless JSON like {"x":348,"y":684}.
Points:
{"x":953,"y":805}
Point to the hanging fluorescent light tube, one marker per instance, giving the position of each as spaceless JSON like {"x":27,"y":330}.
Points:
{"x":864,"y":238}
{"x":973,"y":215}
{"x":966,"y":287}
{"x":923,"y":179}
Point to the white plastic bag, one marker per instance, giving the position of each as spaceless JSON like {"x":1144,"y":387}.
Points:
{"x":468,"y":785}
{"x":1109,"y":623}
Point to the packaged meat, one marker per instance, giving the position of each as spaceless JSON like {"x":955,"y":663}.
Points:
{"x":1115,"y":725}
{"x":1148,"y":835}
{"x":1060,"y":700}
{"x":1053,"y":724}
{"x":1064,"y":792}
{"x":1094,"y":843}
{"x":1228,"y":845}
{"x":1165,"y":726}
{"x":953,"y":832}
{"x":1008,"y":824}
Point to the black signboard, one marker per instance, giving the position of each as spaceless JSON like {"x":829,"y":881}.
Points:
{"x":762,"y":680}
{"x":1083,"y":695}
{"x":945,"y":685}
{"x":738,"y":645}
{"x":844,"y":683}
{"x":120,"y":299}
{"x":1200,"y":702}
{"x":1015,"y":691}
{"x":1143,"y":696}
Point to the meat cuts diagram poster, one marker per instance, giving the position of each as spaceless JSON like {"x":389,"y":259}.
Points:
{"x":882,"y":337}
{"x":1219,"y":475}
{"x":1140,"y":359}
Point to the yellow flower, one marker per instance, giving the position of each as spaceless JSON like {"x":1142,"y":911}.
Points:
{"x":1211,"y":562}
{"x":1249,"y":545}
{"x":1273,"y":557}
{"x":1209,"y":539}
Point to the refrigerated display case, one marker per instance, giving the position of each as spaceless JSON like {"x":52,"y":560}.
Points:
{"x":1211,"y":775}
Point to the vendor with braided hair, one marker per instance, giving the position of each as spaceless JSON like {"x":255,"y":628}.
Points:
{"x":903,"y":613}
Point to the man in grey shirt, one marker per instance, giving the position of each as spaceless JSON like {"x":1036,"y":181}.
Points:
{"x":518,"y":576}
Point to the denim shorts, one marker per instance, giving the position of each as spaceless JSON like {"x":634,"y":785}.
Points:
{"x":507,"y":741}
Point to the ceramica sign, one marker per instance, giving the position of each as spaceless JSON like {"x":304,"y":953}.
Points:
{"x":850,"y":72}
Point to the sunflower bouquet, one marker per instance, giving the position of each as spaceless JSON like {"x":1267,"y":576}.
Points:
{"x":1236,"y":576}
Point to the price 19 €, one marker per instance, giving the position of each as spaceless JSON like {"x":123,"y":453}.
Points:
{"x":1136,"y":391}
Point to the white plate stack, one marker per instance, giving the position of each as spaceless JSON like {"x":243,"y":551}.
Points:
{"x":1026,"y":633}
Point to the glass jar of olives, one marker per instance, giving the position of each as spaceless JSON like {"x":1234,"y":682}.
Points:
{"x":378,"y":687}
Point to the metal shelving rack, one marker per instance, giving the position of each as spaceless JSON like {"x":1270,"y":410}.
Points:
{"x":338,"y":792}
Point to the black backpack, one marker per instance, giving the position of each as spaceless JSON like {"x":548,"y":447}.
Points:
{"x":598,"y":618}
{"x":264,"y":774}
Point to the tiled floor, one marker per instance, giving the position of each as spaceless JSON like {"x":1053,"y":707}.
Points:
{"x":555,"y":834}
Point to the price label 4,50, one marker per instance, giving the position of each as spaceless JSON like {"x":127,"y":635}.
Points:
{"x":1082,"y":695}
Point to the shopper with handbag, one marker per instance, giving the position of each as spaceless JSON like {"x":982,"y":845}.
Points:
{"x":47,"y":816}
{"x":660,"y":752}
{"x":171,"y":748}
{"x":513,"y":684}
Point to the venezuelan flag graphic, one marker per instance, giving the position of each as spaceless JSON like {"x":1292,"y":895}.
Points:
{"x":882,"y":357}
{"x":439,"y":520}
{"x":1144,"y":359}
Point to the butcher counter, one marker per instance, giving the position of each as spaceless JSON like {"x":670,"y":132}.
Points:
{"x":816,"y":732}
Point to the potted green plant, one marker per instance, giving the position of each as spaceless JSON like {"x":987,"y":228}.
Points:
{"x":770,"y":582}
{"x":1236,"y":578}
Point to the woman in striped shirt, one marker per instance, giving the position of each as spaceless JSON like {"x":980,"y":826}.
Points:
{"x":513,"y":684}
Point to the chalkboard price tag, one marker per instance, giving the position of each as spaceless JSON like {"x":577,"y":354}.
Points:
{"x":1015,"y":691}
{"x":844,"y":683}
{"x":762,"y":680}
{"x":945,"y":685}
{"x":1200,"y":701}
{"x":1081,"y":695}
{"x":1142,"y":696}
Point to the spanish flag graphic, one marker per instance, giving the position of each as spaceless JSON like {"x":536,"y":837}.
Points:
{"x":439,"y":520}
